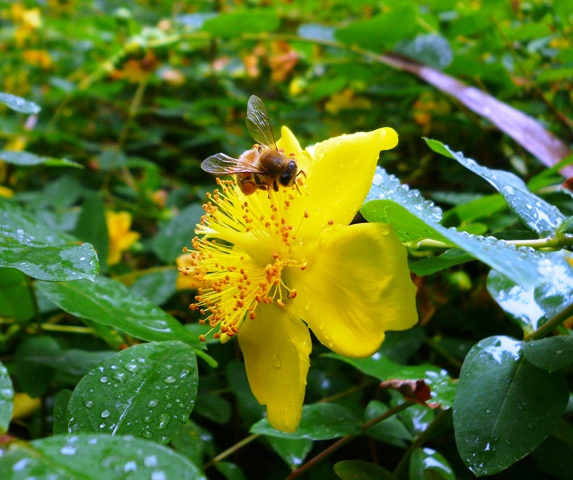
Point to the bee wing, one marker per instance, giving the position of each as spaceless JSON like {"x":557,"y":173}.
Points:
{"x":221,"y":164}
{"x":258,"y":123}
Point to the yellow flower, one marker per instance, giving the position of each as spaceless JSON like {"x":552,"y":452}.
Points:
{"x":6,"y":192}
{"x":273,"y":264}
{"x":120,"y":237}
{"x":185,"y":280}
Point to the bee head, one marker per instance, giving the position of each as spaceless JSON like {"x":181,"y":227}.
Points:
{"x":287,"y":178}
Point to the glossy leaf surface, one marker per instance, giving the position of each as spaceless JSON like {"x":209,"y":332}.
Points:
{"x":6,"y":399}
{"x":147,"y":391}
{"x":18,"y":103}
{"x":504,"y":407}
{"x":109,"y":302}
{"x":95,"y":457}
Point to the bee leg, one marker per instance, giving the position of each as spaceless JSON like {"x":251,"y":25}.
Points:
{"x":275,"y":186}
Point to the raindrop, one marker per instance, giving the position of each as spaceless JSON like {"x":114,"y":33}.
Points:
{"x":89,"y":404}
{"x":150,"y":461}
{"x":103,"y":379}
{"x":276,"y":362}
{"x":68,"y":450}
{"x":163,"y":421}
{"x":147,"y":434}
{"x":158,"y":475}
{"x":105,"y":414}
{"x":170,"y":379}
{"x":321,"y":326}
{"x":152,"y":403}
{"x":130,"y":466}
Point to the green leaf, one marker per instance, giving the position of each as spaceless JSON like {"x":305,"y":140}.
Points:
{"x":292,"y":450}
{"x":382,"y":31}
{"x":485,"y":206}
{"x":16,"y":300}
{"x":534,"y":212}
{"x":91,"y":226}
{"x":414,"y":219}
{"x":60,"y":411}
{"x":109,"y":302}
{"x":174,"y":235}
{"x":230,"y":25}
{"x":391,"y":430}
{"x":432,"y":50}
{"x":517,"y":301}
{"x":25,"y":159}
{"x":382,"y":368}
{"x":451,"y":257}
{"x":72,"y":361}
{"x":427,"y":464}
{"x":34,"y":378}
{"x":320,"y":421}
{"x":214,"y":407}
{"x":157,"y":287}
{"x":95,"y":457}
{"x":531,"y":306}
{"x":551,"y":354}
{"x":504,"y":407}
{"x":251,"y":411}
{"x":147,"y":390}
{"x":360,"y":470}
{"x":40,"y":251}
{"x":18,"y":103}
{"x":6,"y":399}
{"x":194,"y":442}
{"x":230,"y":471}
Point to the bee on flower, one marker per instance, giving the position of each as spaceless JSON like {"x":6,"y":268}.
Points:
{"x":279,"y":259}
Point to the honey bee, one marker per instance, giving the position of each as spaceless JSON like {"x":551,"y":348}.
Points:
{"x":262,"y":167}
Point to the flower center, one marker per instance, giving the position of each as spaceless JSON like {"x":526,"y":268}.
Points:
{"x":244,"y":245}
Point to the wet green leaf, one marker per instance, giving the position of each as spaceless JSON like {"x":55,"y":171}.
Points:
{"x":391,"y":430}
{"x":292,"y":450}
{"x":551,"y":354}
{"x":109,"y":302}
{"x":25,"y":159}
{"x":427,"y":464}
{"x":451,"y":257}
{"x":504,"y":407}
{"x":40,"y":251}
{"x":414,"y":219}
{"x":230,"y":471}
{"x":91,"y":226}
{"x":94,"y":457}
{"x":533,"y":211}
{"x":6,"y":399}
{"x":321,"y":421}
{"x":18,"y":103}
{"x":194,"y":442}
{"x":147,"y":390}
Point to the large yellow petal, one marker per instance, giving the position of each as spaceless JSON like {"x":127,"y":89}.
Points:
{"x":355,"y":287}
{"x":340,"y":176}
{"x":276,"y":349}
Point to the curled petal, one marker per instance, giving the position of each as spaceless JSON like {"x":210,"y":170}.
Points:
{"x":276,"y":350}
{"x":340,"y":176}
{"x":356,"y":285}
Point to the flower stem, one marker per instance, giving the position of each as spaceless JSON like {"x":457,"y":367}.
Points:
{"x":547,"y":327}
{"x":344,"y":440}
{"x":231,"y":450}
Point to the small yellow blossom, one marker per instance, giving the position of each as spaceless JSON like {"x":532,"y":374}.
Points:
{"x":39,"y":58}
{"x":120,"y":236}
{"x":6,"y":192}
{"x":346,"y":100}
{"x":25,"y":406}
{"x":271,"y":265}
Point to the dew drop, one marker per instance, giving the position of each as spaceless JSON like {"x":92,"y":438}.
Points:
{"x":105,"y":414}
{"x":276,"y":362}
{"x":152,"y":403}
{"x":103,"y":379}
{"x":89,"y":404}
{"x":147,"y":434}
{"x":169,"y":379}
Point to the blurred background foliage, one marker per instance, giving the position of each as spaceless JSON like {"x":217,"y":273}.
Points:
{"x":139,"y":93}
